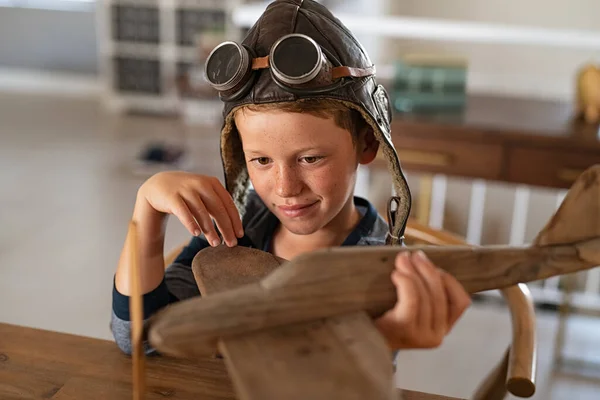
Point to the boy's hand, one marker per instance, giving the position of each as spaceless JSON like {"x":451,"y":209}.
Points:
{"x":194,"y":199}
{"x":430,"y":301}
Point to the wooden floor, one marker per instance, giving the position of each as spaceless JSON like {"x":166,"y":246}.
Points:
{"x":67,"y":194}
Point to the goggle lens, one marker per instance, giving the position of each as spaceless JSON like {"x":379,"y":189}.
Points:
{"x":296,"y":58}
{"x":223,"y":66}
{"x":297,"y":64}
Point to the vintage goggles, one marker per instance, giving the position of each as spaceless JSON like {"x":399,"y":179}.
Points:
{"x":296,"y":62}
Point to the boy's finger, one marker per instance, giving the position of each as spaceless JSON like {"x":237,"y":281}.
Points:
{"x":458,"y":299}
{"x":407,"y":307}
{"x":184,"y":214}
{"x":423,"y":318}
{"x":432,"y":279}
{"x":215,"y":207}
{"x":230,"y":207}
{"x":202,"y":215}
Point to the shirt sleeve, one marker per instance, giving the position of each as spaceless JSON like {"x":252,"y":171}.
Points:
{"x":177,"y":284}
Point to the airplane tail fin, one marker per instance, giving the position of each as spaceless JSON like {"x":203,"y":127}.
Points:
{"x":578,"y":217}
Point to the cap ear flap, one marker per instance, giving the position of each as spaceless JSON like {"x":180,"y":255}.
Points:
{"x":234,"y":165}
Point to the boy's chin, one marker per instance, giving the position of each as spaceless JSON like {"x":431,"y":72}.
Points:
{"x":301,"y":228}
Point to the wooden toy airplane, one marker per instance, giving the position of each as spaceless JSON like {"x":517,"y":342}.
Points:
{"x":302,"y":329}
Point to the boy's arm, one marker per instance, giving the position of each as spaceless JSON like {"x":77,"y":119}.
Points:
{"x":151,"y":238}
{"x":156,"y":294}
{"x":178,"y":284}
{"x":196,"y":200}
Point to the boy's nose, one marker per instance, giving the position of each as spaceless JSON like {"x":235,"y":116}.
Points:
{"x":287,"y":184}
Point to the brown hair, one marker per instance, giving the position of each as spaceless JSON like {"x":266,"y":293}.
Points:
{"x":344,"y":117}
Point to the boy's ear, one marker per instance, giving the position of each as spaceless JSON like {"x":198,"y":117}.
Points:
{"x":368,"y":146}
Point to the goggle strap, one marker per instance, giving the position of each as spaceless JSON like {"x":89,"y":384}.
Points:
{"x":336,"y":72}
{"x":260,"y":63}
{"x":345,"y":72}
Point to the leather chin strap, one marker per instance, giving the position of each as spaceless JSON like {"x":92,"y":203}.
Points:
{"x":391,"y":238}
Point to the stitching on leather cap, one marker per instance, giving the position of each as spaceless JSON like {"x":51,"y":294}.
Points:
{"x":322,"y":34}
{"x":295,"y":17}
{"x":345,"y":30}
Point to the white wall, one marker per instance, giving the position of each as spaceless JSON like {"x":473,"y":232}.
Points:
{"x":371,"y":8}
{"x":50,"y":40}
{"x":519,"y":70}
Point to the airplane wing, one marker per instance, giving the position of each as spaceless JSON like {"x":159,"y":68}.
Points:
{"x":341,"y":357}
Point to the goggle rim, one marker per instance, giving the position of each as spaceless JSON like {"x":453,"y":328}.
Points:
{"x":240,"y":72}
{"x":287,"y":78}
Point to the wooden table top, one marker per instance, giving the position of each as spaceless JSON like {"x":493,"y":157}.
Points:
{"x":37,"y":363}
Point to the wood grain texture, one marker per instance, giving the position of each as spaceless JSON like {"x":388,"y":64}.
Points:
{"x":100,"y":389}
{"x":338,"y":357}
{"x":37,"y":364}
{"x":53,"y":365}
{"x":578,"y":217}
{"x":343,"y":280}
{"x":225,"y":268}
{"x":521,"y":373}
{"x":23,"y":384}
{"x":341,"y":357}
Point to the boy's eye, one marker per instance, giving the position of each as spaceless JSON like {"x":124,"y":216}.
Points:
{"x":262,"y":160}
{"x":311,"y":160}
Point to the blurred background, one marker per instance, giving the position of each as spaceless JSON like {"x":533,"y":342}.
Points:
{"x":96,"y":96}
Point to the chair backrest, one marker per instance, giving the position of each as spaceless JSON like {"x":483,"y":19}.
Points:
{"x":515,"y":373}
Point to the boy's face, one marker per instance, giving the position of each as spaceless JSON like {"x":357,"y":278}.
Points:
{"x":303,"y":167}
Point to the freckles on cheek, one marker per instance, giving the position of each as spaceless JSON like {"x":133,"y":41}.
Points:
{"x":327,"y":179}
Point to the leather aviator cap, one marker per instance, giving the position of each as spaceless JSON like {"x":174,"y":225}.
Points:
{"x":283,"y":17}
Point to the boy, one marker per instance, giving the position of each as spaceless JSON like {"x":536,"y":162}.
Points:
{"x":297,"y":125}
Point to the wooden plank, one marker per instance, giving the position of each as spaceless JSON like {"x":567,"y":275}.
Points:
{"x":343,"y":280}
{"x":97,"y":389}
{"x":37,"y":364}
{"x":29,"y":384}
{"x":337,"y":281}
{"x":39,"y":358}
{"x":226,"y":268}
{"x":340,"y":357}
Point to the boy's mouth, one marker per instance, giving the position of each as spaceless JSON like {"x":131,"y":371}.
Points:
{"x":296,"y":210}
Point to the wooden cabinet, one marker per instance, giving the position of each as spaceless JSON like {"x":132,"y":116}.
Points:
{"x":548,"y":167}
{"x":523,"y":141}
{"x":457,"y":157}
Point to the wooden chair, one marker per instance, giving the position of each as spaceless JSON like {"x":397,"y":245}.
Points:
{"x":516,"y":371}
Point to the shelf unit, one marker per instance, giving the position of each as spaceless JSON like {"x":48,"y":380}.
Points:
{"x":145,"y":44}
